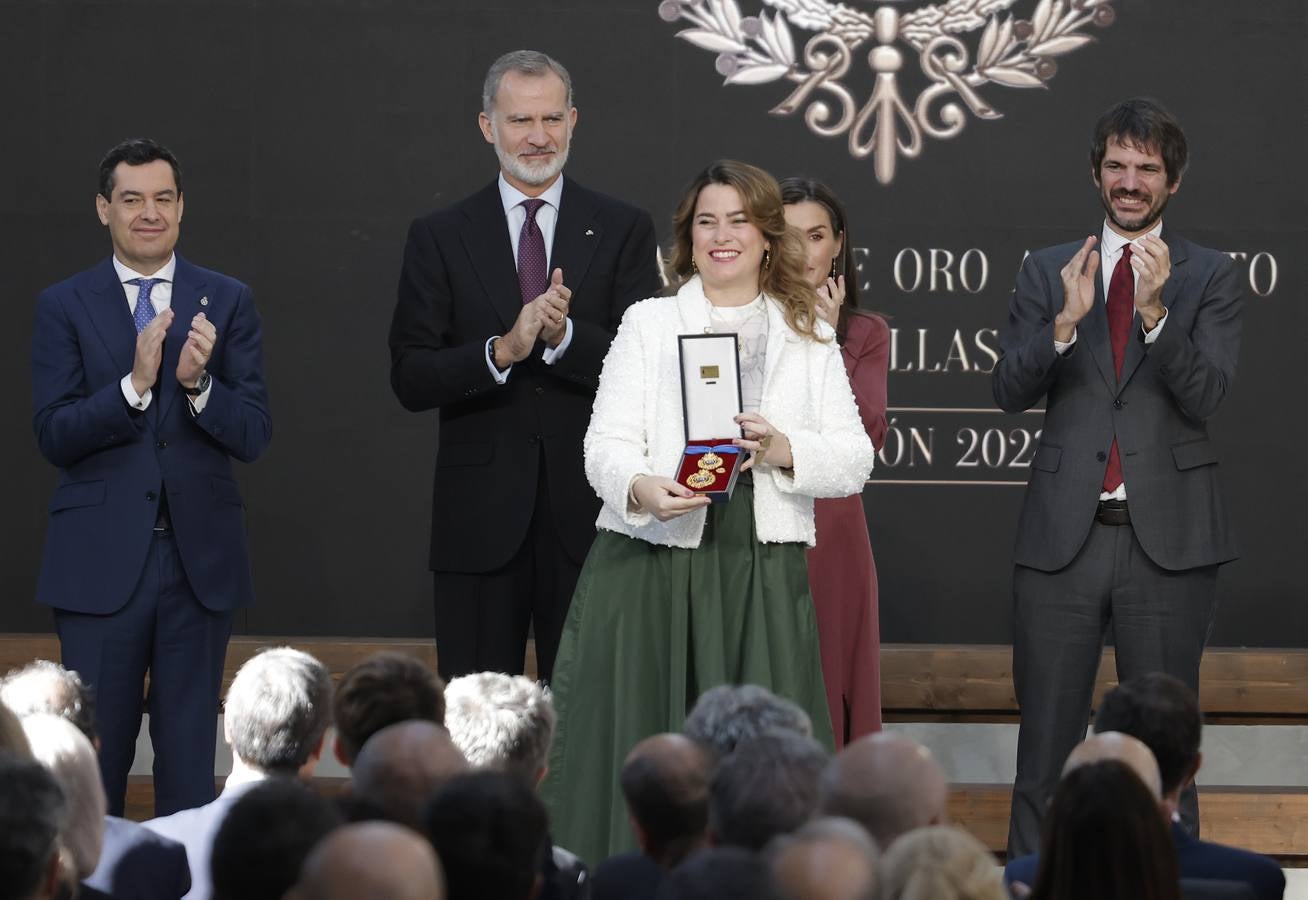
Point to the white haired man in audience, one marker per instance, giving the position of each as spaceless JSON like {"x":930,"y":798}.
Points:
{"x":888,"y":783}
{"x":69,"y":756}
{"x":135,"y":863}
{"x":825,"y":859}
{"x":505,"y":723}
{"x":32,"y":810}
{"x":729,"y":714}
{"x":278,"y":710}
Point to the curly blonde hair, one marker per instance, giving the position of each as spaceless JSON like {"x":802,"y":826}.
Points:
{"x":939,"y":863}
{"x":782,"y":276}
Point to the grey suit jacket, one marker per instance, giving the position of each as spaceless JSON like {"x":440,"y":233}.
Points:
{"x":1157,"y":410}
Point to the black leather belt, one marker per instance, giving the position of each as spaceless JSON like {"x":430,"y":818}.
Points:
{"x":1113,"y":512}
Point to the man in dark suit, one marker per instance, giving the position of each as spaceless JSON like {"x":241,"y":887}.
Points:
{"x":277,"y":710}
{"x":135,"y":863}
{"x":507,"y":303}
{"x":1163,"y":714}
{"x":146,"y":382}
{"x":1132,"y":345}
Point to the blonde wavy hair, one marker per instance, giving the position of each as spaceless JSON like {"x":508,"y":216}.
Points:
{"x":939,"y":863}
{"x":782,"y":277}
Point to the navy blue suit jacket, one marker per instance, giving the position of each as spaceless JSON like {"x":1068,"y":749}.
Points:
{"x":137,"y":864}
{"x":114,"y":461}
{"x":1196,"y":859}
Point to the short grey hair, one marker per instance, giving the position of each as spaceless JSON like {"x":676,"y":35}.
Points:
{"x":728,"y":715}
{"x":278,"y":708}
{"x":66,"y":752}
{"x":501,"y":722}
{"x":524,"y":62}
{"x":43,"y":686}
{"x":767,"y":786}
{"x":32,"y":811}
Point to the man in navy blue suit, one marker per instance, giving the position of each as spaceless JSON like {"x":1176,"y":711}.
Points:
{"x":146,"y":381}
{"x":1163,"y":713}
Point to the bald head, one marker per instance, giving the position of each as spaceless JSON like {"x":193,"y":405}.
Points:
{"x":826,"y":859}
{"x":887,"y":783}
{"x":1122,"y":748}
{"x":377,"y":860}
{"x":665,"y":780}
{"x":402,"y":765}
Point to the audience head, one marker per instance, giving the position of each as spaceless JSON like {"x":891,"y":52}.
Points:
{"x":887,"y":783}
{"x":1111,"y":745}
{"x":265,"y":837}
{"x":826,"y":859}
{"x":376,"y":860}
{"x":43,"y":686}
{"x":402,"y":765}
{"x":720,"y":873}
{"x":32,"y":812}
{"x":1162,"y":712}
{"x":1104,"y":839}
{"x":65,"y":751}
{"x":501,"y":722}
{"x":729,"y":714}
{"x":766,"y":787}
{"x":665,"y":780}
{"x":12,"y":739}
{"x":490,"y":832}
{"x":278,"y":709}
{"x":382,"y":690}
{"x":940,"y":863}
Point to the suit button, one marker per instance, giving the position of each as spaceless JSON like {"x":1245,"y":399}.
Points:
{"x":1101,"y":456}
{"x":162,"y":445}
{"x":1118,"y":404}
{"x":149,"y":495}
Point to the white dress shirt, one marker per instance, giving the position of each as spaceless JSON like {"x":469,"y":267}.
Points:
{"x":161,"y":298}
{"x":1110,"y":251}
{"x":546,"y":218}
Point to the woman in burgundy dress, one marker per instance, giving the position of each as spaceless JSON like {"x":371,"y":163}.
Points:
{"x":842,"y":575}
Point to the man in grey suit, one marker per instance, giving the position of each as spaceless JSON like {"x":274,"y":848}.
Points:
{"x":1132,"y":344}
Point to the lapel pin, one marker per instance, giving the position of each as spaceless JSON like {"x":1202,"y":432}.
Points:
{"x":589,"y":232}
{"x":204,"y":301}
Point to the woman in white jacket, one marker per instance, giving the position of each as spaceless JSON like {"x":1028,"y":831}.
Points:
{"x":678,"y":595}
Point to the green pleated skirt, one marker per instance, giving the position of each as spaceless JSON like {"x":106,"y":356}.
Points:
{"x":650,"y":629}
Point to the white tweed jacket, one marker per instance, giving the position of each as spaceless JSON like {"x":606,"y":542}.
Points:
{"x":637,"y":426}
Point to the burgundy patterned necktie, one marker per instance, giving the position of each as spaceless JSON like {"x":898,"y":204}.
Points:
{"x":1121,"y":307}
{"x":532,"y":278}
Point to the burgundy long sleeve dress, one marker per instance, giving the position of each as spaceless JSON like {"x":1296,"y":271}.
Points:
{"x":842,"y":575}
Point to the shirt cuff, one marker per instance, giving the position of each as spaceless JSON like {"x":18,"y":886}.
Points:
{"x":500,"y":377}
{"x":199,"y":401}
{"x":554,"y":354}
{"x":1061,"y":347}
{"x":134,"y":400}
{"x":1151,"y":336}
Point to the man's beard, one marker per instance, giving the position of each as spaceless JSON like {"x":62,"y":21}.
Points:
{"x":1143,"y":222}
{"x":533,"y":175}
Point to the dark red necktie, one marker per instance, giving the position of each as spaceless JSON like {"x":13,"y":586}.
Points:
{"x":1121,"y":308}
{"x":531,"y":254}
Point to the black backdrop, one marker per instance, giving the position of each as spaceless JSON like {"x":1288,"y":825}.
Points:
{"x":311,"y":132}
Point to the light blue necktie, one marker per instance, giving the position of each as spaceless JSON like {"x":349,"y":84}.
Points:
{"x":144,"y":308}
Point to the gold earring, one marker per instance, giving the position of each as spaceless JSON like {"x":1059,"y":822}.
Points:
{"x":767,"y":258}
{"x":833,"y":267}
{"x":694,"y":269}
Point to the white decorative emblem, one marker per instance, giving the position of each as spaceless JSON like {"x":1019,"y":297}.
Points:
{"x":1011,"y":51}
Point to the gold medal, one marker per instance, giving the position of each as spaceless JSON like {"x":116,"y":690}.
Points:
{"x":710,"y":460}
{"x":701,"y":479}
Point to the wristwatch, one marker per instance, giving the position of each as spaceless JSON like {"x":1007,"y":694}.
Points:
{"x":200,"y":386}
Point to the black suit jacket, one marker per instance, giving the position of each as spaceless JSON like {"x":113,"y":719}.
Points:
{"x":137,"y":864}
{"x":459,"y":287}
{"x":1157,"y":410}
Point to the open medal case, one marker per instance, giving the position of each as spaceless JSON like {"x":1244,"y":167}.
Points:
{"x":710,"y":402}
